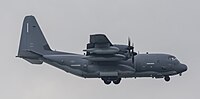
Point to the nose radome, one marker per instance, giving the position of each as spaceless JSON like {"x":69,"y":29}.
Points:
{"x":184,"y":67}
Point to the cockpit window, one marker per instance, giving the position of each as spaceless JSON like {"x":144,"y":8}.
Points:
{"x":172,"y":58}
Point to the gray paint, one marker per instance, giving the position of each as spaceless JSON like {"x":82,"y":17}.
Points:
{"x":170,"y":26}
{"x":104,"y":64}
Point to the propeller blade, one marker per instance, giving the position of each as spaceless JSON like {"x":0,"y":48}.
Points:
{"x":129,"y":42}
{"x":132,"y":46}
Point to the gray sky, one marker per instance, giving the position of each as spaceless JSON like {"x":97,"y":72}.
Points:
{"x":168,"y":26}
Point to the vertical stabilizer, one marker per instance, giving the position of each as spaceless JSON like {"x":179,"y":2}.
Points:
{"x":32,"y":42}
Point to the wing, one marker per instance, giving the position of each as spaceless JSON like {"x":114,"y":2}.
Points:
{"x":101,"y":49}
{"x":100,"y":44}
{"x":100,"y":39}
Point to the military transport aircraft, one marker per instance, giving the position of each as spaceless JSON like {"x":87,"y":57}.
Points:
{"x":102,"y":59}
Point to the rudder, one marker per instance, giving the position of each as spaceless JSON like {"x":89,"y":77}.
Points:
{"x":32,"y":43}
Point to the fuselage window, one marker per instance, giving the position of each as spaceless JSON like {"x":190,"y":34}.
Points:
{"x":172,"y":58}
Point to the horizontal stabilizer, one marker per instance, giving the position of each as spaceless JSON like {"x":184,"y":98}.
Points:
{"x":34,"y":61}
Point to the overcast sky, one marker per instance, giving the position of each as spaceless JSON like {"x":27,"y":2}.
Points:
{"x":163,"y":26}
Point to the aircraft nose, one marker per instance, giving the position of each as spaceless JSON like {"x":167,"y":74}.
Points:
{"x":183,"y":67}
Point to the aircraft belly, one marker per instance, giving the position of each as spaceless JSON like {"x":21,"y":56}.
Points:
{"x":148,"y":74}
{"x":119,"y":74}
{"x":103,"y":74}
{"x":154,"y":74}
{"x":109,"y":71}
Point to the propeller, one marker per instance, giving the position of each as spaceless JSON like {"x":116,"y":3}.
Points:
{"x":131,"y":49}
{"x":129,"y":41}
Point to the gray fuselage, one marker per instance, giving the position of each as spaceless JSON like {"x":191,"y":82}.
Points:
{"x":145,"y":65}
